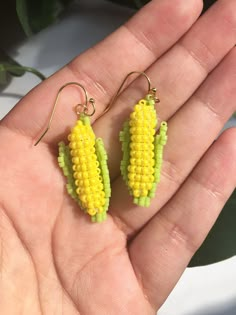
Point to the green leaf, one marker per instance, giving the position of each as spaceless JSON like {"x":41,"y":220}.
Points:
{"x":36,"y":15}
{"x":8,"y":67}
{"x":22,"y":12}
{"x":221,"y":241}
{"x":7,"y":60}
{"x":4,"y":77}
{"x":138,"y":3}
{"x":128,"y":3}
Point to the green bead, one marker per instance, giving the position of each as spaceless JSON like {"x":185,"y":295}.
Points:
{"x":142,"y":201}
{"x":147,"y":202}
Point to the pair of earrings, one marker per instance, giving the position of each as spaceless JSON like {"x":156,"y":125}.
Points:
{"x":84,"y":160}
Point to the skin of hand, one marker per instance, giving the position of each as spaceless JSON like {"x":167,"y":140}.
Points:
{"x":53,"y":260}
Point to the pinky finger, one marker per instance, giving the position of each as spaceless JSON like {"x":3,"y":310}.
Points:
{"x":163,"y":249}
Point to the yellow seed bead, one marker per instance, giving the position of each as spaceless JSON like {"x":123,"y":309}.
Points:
{"x":144,"y":171}
{"x":96,"y":204}
{"x":132,"y":130}
{"x":78,"y":167}
{"x":133,"y":115}
{"x":77,"y":182}
{"x":136,"y":185}
{"x":131,"y":183}
{"x":80,"y":144}
{"x":145,"y":162}
{"x":86,"y":183}
{"x":138,"y":154}
{"x":82,"y":159}
{"x":83,"y":197}
{"x":100,"y":186}
{"x":91,"y":211}
{"x":71,"y":137}
{"x":100,"y":210}
{"x":75,"y":160}
{"x":91,"y":150}
{"x":137,"y":107}
{"x":145,"y":178}
{"x":131,"y":168}
{"x":131,"y":176}
{"x":83,"y":167}
{"x":75,"y":175}
{"x":79,"y":123}
{"x":80,"y":175}
{"x":75,"y":130}
{"x":90,"y":204}
{"x":73,"y":145}
{"x":86,"y":190}
{"x":142,"y":102}
{"x":102,"y":194}
{"x":144,"y":193}
{"x":85,"y":175}
{"x":92,"y":181}
{"x":89,"y":198}
{"x":151,"y":178}
{"x":139,"y":130}
{"x":136,"y":193}
{"x":133,"y":161}
{"x":139,"y":162}
{"x":147,"y":147}
{"x":143,"y":186}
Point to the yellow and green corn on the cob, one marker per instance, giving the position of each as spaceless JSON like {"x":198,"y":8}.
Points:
{"x":84,"y":163}
{"x":142,"y":151}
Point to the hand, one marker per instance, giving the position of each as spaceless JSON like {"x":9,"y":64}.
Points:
{"x":53,"y":259}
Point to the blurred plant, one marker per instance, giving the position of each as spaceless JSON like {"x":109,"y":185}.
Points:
{"x":35,"y":16}
{"x":9,"y":68}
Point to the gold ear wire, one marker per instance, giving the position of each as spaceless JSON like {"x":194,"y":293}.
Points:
{"x":78,"y":112}
{"x":150,"y":89}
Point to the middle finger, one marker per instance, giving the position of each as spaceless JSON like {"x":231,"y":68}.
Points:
{"x":177,"y":74}
{"x":191,"y":131}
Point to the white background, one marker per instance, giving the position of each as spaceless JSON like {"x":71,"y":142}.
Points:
{"x":207,"y":290}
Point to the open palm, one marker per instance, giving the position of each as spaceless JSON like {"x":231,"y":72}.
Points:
{"x":53,"y":260}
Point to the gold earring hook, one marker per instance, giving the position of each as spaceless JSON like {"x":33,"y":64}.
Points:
{"x":78,"y":112}
{"x":150,"y":89}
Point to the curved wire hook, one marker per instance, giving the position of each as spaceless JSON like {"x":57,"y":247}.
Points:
{"x":85,"y":107}
{"x":150,"y":89}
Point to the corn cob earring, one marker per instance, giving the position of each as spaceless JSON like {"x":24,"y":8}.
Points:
{"x":142,"y":147}
{"x":84,"y":162}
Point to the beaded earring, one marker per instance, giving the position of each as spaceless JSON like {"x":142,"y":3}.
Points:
{"x":142,"y":147}
{"x":84,"y":162}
